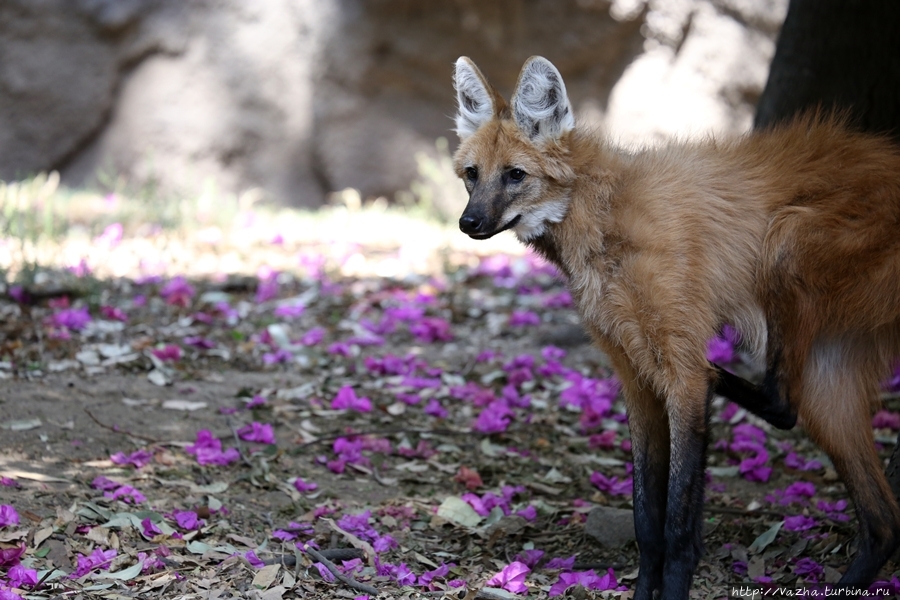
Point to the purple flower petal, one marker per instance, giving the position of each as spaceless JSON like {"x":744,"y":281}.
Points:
{"x":10,"y":556}
{"x":529,"y":513}
{"x":795,"y":461}
{"x":254,"y":560}
{"x":809,"y":569}
{"x":799,"y":523}
{"x":167,"y":352}
{"x":521,"y":318}
{"x":346,"y":399}
{"x":111,"y":236}
{"x":303,"y":486}
{"x":612,"y":485}
{"x":324,"y":572}
{"x":8,"y":515}
{"x":266,"y":290}
{"x":530,"y":557}
{"x":431,"y":329}
{"x":138,"y":459}
{"x":187,"y":519}
{"x":104,"y":484}
{"x":494,"y":418}
{"x":720,"y":349}
{"x":290,"y":311}
{"x":98,"y":559}
{"x":885,"y":419}
{"x":20,"y":576}
{"x":208,"y":450}
{"x":434,"y":409}
{"x":199,"y":342}
{"x":260,"y":433}
{"x":404,"y":575}
{"x":127,"y":494}
{"x":587,"y":579}
{"x":149,"y":528}
{"x":313,"y":336}
{"x":75,"y":319}
{"x":177,"y":292}
{"x":113,"y":313}
{"x":511,"y":578}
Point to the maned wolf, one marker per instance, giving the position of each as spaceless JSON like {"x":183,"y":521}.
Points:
{"x":791,"y":235}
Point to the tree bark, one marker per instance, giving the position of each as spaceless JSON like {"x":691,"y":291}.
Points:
{"x":837,"y":54}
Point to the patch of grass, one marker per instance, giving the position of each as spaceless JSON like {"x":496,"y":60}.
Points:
{"x":437,"y":191}
{"x":122,"y":230}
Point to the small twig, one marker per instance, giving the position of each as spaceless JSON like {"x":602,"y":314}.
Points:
{"x":34,"y":295}
{"x":468,"y":367}
{"x":44,"y":578}
{"x":342,"y":553}
{"x":286,"y":560}
{"x":121,"y":431}
{"x":289,"y":560}
{"x":240,"y":445}
{"x":730,"y":510}
{"x":478,"y":594}
{"x":349,"y":581}
{"x":333,"y":436}
{"x":598,"y":566}
{"x":238,"y":285}
{"x":484,"y":594}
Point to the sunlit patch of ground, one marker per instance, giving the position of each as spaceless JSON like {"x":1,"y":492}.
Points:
{"x":116,"y":236}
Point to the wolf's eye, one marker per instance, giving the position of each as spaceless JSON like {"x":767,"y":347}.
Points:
{"x":516,"y":174}
{"x":471,"y":173}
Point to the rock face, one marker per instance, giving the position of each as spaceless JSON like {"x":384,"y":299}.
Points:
{"x":221,"y":97}
{"x":298,"y":98}
{"x":57,"y":83}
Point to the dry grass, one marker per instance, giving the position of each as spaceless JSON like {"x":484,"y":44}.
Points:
{"x":46,"y":226}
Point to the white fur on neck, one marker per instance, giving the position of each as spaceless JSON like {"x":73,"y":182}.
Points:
{"x":533,"y":223}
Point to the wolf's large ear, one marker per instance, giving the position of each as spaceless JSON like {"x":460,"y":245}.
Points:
{"x":476,"y":99}
{"x":540,"y":105}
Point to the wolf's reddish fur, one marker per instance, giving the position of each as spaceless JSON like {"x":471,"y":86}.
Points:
{"x":791,"y":235}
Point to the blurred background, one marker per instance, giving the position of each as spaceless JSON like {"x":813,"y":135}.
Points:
{"x":296,"y":99}
{"x":153,"y":138}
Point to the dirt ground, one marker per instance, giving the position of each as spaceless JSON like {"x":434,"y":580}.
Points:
{"x":74,"y":393}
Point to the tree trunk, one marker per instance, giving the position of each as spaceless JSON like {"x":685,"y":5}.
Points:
{"x":837,"y":54}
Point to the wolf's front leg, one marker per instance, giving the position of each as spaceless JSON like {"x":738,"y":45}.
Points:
{"x":688,"y":424}
{"x":650,"y":450}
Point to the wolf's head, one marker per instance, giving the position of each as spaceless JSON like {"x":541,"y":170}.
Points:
{"x":513,"y":158}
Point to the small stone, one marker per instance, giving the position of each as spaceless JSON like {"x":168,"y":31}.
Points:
{"x":612,"y":527}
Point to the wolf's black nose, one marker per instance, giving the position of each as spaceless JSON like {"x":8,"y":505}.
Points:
{"x":469,"y":224}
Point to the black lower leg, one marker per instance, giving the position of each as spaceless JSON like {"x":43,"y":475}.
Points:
{"x":684,"y":510}
{"x":650,"y":448}
{"x":877,"y":540}
{"x":650,"y":488}
{"x":763,"y":401}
